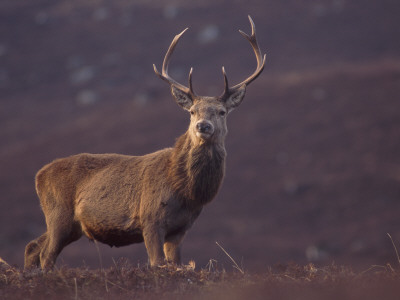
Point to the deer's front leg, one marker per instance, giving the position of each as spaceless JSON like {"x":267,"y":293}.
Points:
{"x":172,"y":248}
{"x":153,"y":240}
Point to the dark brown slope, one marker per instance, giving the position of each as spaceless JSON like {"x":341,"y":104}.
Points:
{"x":313,"y":152}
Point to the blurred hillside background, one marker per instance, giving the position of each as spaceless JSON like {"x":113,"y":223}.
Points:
{"x":313,"y":168}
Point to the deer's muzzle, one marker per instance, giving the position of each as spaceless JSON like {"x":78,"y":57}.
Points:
{"x":204,"y":129}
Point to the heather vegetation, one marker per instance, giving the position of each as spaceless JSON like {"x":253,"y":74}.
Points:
{"x":125,"y":281}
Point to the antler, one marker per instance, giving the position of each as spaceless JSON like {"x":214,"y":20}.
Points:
{"x":260,"y":63}
{"x":164,"y":75}
{"x":227,"y":90}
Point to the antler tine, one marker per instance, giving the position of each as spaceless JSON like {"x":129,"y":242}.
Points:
{"x":165,"y":76}
{"x":226,"y":85}
{"x":190,"y":82}
{"x":260,"y":61}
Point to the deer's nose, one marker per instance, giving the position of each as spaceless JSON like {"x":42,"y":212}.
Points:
{"x":204,"y":126}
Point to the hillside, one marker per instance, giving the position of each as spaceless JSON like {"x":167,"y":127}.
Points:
{"x":313,"y":170}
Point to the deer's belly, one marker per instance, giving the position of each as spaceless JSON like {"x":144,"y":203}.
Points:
{"x":113,"y":236}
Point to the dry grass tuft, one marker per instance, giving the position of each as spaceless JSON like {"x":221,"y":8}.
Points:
{"x":124,"y":281}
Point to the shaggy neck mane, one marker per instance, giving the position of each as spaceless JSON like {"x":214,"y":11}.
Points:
{"x":196,"y":171}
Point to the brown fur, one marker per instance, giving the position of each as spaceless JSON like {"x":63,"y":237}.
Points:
{"x":120,"y":200}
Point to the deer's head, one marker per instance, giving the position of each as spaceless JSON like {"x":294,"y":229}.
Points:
{"x":208,"y":114}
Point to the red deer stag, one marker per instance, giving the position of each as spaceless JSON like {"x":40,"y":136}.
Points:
{"x":120,"y":200}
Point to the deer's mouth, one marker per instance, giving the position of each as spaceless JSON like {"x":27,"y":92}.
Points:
{"x":203,"y":135}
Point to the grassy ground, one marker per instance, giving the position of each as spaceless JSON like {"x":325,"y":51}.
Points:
{"x":125,"y":281}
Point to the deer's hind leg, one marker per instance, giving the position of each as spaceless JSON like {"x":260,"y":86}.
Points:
{"x":32,"y":252}
{"x":62,"y":230}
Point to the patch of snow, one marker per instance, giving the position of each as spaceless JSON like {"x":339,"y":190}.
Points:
{"x":170,"y":11}
{"x":101,"y":14}
{"x":87,"y":97}
{"x":41,"y":18}
{"x":82,"y":75}
{"x":209,"y":34}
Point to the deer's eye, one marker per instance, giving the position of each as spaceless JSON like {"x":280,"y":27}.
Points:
{"x":192,"y":112}
{"x":222,"y":113}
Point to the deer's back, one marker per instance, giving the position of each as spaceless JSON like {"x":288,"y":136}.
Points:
{"x":93,"y":175}
{"x":64,"y":177}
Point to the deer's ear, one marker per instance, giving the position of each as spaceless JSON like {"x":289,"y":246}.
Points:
{"x":236,"y":98}
{"x":182,"y":98}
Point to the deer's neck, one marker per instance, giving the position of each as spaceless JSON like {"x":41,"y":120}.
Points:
{"x":196,"y":170}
